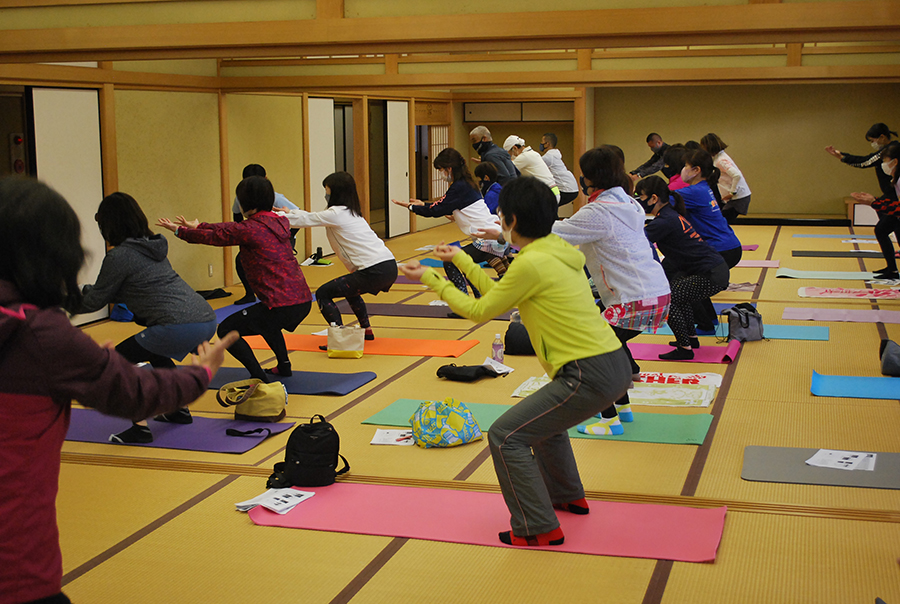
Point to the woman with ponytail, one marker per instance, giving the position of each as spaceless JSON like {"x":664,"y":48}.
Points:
{"x":464,"y":205}
{"x":696,"y":271}
{"x":888,"y":210}
{"x":879,"y":136}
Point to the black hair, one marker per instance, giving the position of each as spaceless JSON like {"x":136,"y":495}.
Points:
{"x":605,"y":168}
{"x":488,"y":169}
{"x":343,"y":192}
{"x":674,"y":157}
{"x":712,"y":143}
{"x":692,"y":145}
{"x":551,"y":138}
{"x":879,"y":129}
{"x":253,"y":170}
{"x":655,"y":185}
{"x":40,"y":244}
{"x":453,"y":159}
{"x":255,"y":193}
{"x":892,"y":151}
{"x":120,"y":217}
{"x":531,"y":203}
{"x":703,"y":160}
{"x":651,"y":135}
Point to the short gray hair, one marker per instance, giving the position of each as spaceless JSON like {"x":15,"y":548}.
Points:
{"x":481,"y":132}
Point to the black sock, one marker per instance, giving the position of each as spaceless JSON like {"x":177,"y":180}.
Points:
{"x":135,"y":434}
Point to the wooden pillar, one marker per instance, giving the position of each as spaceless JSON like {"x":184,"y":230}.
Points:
{"x":108,"y":149}
{"x":580,"y":136}
{"x":795,"y":54}
{"x":413,"y":173}
{"x":391,"y":64}
{"x":329,"y":9}
{"x":361,"y":152}
{"x":307,"y":185}
{"x":584,"y":59}
{"x":225,"y":185}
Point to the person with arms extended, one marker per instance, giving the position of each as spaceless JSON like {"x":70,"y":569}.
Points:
{"x":371,"y":264}
{"x":888,"y":209}
{"x":136,"y":272}
{"x":655,"y":163}
{"x":46,"y":363}
{"x":265,"y":241}
{"x":879,"y":135}
{"x":529,"y":444}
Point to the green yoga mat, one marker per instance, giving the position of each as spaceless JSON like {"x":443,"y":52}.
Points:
{"x":791,"y":273}
{"x":664,"y":428}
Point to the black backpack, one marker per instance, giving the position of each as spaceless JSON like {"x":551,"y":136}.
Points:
{"x":310,"y":457}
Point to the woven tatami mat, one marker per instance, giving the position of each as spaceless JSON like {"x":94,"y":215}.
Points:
{"x":789,"y":560}
{"x":97,"y":507}
{"x":503,"y":576}
{"x":212,"y":553}
{"x":854,"y":427}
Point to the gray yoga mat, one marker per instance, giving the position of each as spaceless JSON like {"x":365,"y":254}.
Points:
{"x":842,"y":254}
{"x":788,"y":465}
{"x":376,"y":309}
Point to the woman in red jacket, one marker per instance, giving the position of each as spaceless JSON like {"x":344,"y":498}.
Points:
{"x":46,"y":362}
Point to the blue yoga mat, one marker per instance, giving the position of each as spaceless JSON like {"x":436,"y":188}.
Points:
{"x":772,"y":332}
{"x":227,"y":311}
{"x":302,"y":382}
{"x":435,"y":263}
{"x":204,"y":434}
{"x":847,"y":386}
{"x":831,"y":236}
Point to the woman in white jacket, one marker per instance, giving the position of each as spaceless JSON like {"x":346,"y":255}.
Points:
{"x":372,"y":266}
{"x":732,"y":185}
{"x":609,"y":231}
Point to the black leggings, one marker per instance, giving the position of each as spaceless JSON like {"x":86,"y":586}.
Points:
{"x":887,"y":225}
{"x":565,"y":198}
{"x":265,"y":322}
{"x":704,"y":311}
{"x":377,"y":278}
{"x":135,"y":353}
{"x":455,"y":275}
{"x":687,"y":290}
{"x":624,"y":335}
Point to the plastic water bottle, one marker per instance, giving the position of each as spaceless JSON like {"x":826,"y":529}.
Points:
{"x":497,"y":349}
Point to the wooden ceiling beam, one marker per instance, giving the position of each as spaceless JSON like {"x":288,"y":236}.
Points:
{"x":858,"y":21}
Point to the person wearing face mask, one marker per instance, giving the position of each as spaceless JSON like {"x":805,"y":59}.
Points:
{"x":529,"y":162}
{"x":282,"y":203}
{"x":888,"y":211}
{"x":481,"y":140}
{"x":655,"y":163}
{"x":696,"y":271}
{"x":732,"y":185}
{"x":464,"y":205}
{"x":371,"y":264}
{"x":633,"y":288}
{"x":879,"y":136}
{"x":529,"y":444}
{"x":702,"y":202}
{"x":565,"y":180}
{"x":486,"y":173}
{"x":673,"y":163}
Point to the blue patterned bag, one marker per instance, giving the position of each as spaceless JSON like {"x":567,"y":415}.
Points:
{"x":444,"y":424}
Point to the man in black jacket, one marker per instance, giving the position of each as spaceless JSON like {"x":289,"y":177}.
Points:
{"x":480,"y":137}
{"x":655,"y":163}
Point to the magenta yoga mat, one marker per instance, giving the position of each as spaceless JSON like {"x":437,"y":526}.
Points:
{"x":704,"y":354}
{"x":660,"y":532}
{"x":840,"y":314}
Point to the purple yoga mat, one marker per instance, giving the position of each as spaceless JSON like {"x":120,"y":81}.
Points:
{"x":839,"y":314}
{"x":406,"y":310}
{"x":750,"y":248}
{"x":205,"y":434}
{"x":227,"y":311}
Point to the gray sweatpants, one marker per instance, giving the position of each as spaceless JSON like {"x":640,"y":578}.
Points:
{"x":532,"y":482}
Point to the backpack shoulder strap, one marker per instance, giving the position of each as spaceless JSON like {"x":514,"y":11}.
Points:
{"x":346,"y":467}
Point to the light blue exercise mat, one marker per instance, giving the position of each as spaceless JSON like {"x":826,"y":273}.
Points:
{"x":435,"y":263}
{"x":773,"y":332}
{"x":832,"y":236}
{"x":791,"y":273}
{"x":848,"y":386}
{"x":788,"y":465}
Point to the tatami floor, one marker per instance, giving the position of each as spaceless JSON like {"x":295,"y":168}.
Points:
{"x":155,"y":525}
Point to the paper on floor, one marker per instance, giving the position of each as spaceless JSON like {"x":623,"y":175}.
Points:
{"x":402,"y":438}
{"x":843,"y":460}
{"x":280,"y":501}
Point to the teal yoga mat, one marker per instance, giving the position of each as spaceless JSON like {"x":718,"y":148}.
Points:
{"x":664,"y":428}
{"x":775,"y":332}
{"x":790,"y":273}
{"x":848,"y":386}
{"x":435,"y":263}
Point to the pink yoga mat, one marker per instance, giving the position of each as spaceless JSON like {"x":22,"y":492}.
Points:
{"x":660,"y":532}
{"x":838,"y":314}
{"x":704,"y":354}
{"x":843,"y":292}
{"x":750,"y":248}
{"x":758,"y":264}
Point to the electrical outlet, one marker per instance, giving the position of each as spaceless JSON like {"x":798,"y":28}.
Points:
{"x":210,"y":270}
